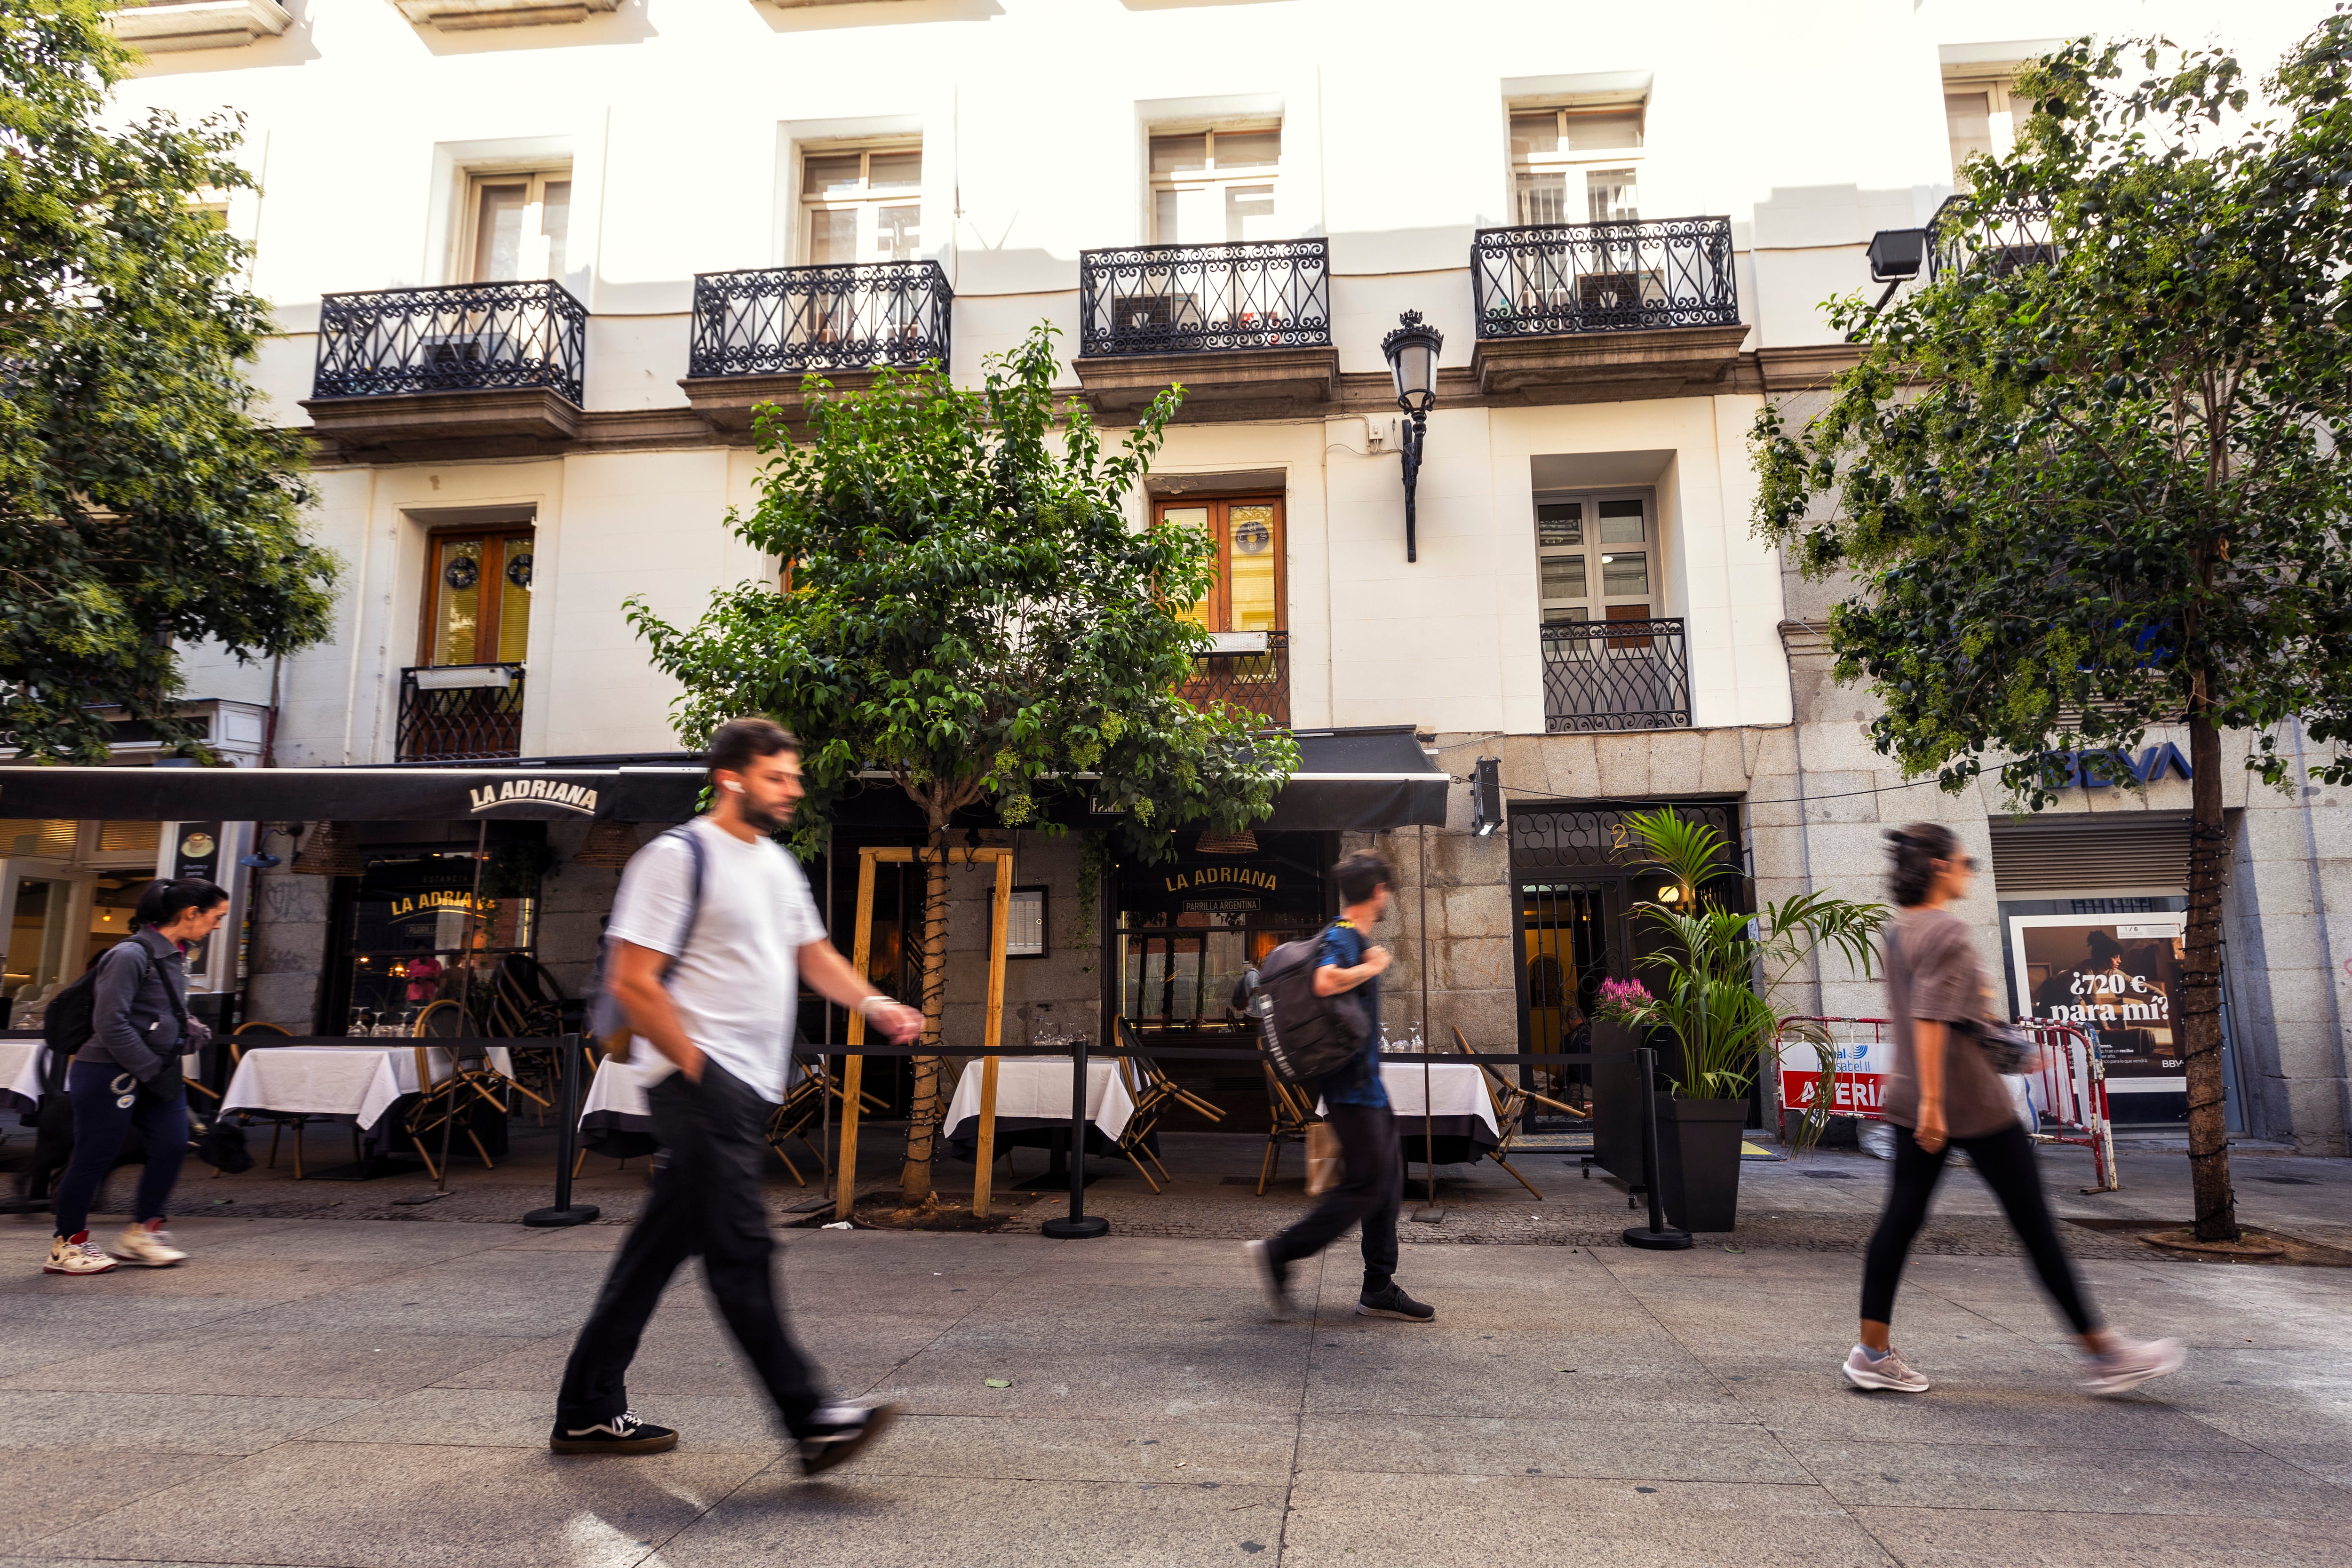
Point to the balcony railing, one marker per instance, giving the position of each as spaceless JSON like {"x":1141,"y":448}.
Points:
{"x":469,"y":337}
{"x":1248,"y":670}
{"x":785,"y":320}
{"x":1615,"y":675}
{"x":1634,"y":275}
{"x":2009,"y":235}
{"x":460,"y":712}
{"x":1206,"y":298}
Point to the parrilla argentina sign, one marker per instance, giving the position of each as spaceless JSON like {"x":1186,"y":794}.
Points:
{"x":535,"y":792}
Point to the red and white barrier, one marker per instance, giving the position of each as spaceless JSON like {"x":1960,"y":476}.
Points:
{"x":2069,"y":1088}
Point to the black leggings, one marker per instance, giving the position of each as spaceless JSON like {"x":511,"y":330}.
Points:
{"x":2005,"y":1160}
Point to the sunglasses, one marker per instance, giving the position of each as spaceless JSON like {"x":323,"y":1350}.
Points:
{"x":1966,"y":862}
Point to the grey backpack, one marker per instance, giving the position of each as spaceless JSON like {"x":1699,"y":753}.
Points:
{"x":608,"y":1022}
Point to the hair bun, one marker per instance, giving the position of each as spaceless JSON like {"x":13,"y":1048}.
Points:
{"x":1896,"y":835}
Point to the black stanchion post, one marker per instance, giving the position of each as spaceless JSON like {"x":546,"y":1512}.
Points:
{"x":1660,"y":1237}
{"x":1078,"y":1225}
{"x":567,"y":1134}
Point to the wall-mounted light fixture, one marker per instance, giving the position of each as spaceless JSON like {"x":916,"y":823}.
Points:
{"x":1486,"y":797}
{"x":1412,"y":349}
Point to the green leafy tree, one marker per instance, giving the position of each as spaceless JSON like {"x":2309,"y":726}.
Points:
{"x":143,"y":503}
{"x":2093,"y":477}
{"x":965,"y":609}
{"x":1720,"y":969}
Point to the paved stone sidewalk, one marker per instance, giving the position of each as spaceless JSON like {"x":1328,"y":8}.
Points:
{"x":377,"y":1394}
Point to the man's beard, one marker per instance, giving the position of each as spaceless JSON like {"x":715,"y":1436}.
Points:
{"x":762,"y":822}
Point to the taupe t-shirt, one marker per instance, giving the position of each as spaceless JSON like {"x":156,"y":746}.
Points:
{"x":1932,"y":973}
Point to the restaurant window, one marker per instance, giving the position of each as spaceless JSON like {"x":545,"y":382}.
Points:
{"x":1577,"y":165}
{"x":1978,"y":122}
{"x":477,"y":598}
{"x":861,"y":204}
{"x":1249,"y":592}
{"x":419,"y":920}
{"x":517,"y":226}
{"x":1595,"y":558}
{"x":1211,"y":188}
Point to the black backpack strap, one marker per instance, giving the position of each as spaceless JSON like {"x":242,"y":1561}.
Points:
{"x":694,"y":850}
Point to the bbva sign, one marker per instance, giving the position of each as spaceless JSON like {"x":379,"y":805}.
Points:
{"x":2089,"y":770}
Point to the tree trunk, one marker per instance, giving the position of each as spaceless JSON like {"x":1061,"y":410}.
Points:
{"x":923,"y":1114}
{"x":2200,"y":1020}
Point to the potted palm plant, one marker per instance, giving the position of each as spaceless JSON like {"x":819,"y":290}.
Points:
{"x":1718,"y":977}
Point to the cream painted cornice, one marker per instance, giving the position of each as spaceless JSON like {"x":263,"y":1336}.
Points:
{"x":166,"y":27}
{"x":469,"y":15}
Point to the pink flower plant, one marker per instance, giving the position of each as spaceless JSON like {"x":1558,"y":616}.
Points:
{"x":1624,"y":1000}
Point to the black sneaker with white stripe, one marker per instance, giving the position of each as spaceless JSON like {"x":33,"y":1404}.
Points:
{"x":840,"y":1431}
{"x":624,"y":1433}
{"x":1393,"y":1302}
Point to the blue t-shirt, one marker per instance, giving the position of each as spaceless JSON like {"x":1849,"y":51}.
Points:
{"x":1357,"y":1083}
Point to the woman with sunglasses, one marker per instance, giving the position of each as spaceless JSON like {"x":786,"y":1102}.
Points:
{"x":1942,"y":1090}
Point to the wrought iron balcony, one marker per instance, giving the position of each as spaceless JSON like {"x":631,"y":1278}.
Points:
{"x":1634,"y":275}
{"x":1206,"y":298}
{"x":1616,"y":675}
{"x":1248,"y":670}
{"x":467,"y":337}
{"x":460,"y":712}
{"x":2007,"y":235}
{"x":788,"y":320}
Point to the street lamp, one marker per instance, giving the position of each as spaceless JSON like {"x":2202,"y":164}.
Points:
{"x":1412,"y":350}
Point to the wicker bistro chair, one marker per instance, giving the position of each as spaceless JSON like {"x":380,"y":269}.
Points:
{"x":1510,"y":1102}
{"x":1293,"y":1113}
{"x":472,"y":1080}
{"x":803,"y":1104}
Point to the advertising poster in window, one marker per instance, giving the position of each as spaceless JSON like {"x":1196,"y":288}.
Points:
{"x":2117,"y":977}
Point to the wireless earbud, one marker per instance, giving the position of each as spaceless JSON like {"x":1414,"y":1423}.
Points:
{"x":731,"y":783}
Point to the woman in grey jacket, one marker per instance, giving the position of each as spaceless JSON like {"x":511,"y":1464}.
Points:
{"x":127,"y":1074}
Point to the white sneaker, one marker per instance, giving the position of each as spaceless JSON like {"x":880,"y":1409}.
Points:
{"x":2131,"y":1364}
{"x":76,"y":1254}
{"x":149,"y":1244}
{"x":1889,"y":1371}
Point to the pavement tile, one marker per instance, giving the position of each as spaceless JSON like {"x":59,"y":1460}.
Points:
{"x":1965,"y":1538}
{"x":500,"y":1418}
{"x":702,"y":1362}
{"x":869,"y":1519}
{"x":56,"y":1484}
{"x":1562,"y":1376}
{"x":2054,"y":1479}
{"x":1477,"y":1521}
{"x":163,"y":1423}
{"x":1131,"y":1448}
{"x":253,"y":1355}
{"x":1104,"y":1380}
{"x":406,"y":1506}
{"x":1470,"y":1446}
{"x":1984,"y":1401}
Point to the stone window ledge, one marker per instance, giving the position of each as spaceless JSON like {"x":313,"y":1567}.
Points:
{"x":165,"y":26}
{"x":470,"y":15}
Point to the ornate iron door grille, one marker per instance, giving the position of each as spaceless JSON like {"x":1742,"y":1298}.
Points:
{"x":780,"y":320}
{"x":462,"y":723}
{"x":1616,"y":675}
{"x":1551,"y":279}
{"x":2010,"y":235}
{"x":1203,"y":299}
{"x":469,"y":337}
{"x":1255,"y":683}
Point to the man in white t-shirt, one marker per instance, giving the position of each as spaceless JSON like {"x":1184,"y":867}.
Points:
{"x":711,"y":936}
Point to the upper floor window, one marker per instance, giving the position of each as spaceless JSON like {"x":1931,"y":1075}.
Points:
{"x":1214,"y":186}
{"x":1248,"y":592}
{"x":1979,"y":122}
{"x":518,"y":225}
{"x":1594,"y":558}
{"x":1577,"y":165}
{"x":478,"y":597}
{"x":862,"y":205}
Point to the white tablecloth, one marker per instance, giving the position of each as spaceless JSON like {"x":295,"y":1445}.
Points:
{"x":360,"y":1081}
{"x":617,"y":1089}
{"x":1455,"y":1088}
{"x":20,"y":1074}
{"x":1037,"y":1089}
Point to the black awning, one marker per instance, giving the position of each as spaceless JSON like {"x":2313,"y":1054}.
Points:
{"x":649,"y":794}
{"x":1359,"y":781}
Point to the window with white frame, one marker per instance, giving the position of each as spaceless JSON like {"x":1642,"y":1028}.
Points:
{"x":517,"y":224}
{"x":1979,"y":120}
{"x":1577,"y":165}
{"x":861,"y":204}
{"x":1595,"y":557}
{"x":1208,"y":187}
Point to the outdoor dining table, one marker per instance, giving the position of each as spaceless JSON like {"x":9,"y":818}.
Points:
{"x":360,"y":1081}
{"x":1461,"y":1116}
{"x":615,"y":1120}
{"x":1033,"y":1107}
{"x":20,"y":1075}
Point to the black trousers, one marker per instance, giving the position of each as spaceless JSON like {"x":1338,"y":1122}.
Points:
{"x":706,"y":1199}
{"x":1371,"y":1190}
{"x":2005,"y":1160}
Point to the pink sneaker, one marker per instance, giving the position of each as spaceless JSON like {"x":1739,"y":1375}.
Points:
{"x":2131,"y":1364}
{"x":1889,"y":1371}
